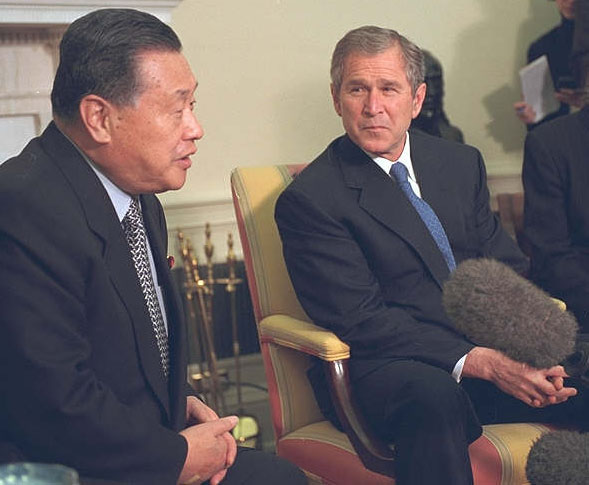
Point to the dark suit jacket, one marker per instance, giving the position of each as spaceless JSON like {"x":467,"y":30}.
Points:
{"x":556,"y":45}
{"x":80,"y":371}
{"x":363,"y":263}
{"x":556,"y":216}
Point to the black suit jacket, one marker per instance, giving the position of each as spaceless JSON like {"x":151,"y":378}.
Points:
{"x":556,"y":215}
{"x":80,"y":370}
{"x":557,"y":46}
{"x":364,"y":265}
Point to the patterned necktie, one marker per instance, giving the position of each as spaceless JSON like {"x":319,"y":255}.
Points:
{"x":427,"y":214}
{"x":137,"y":240}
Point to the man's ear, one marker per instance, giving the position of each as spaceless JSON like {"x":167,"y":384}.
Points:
{"x":95,"y":114}
{"x":418,"y":100}
{"x":336,"y":100}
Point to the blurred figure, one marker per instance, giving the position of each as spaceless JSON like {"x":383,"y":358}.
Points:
{"x":432,"y":119}
{"x":555,"y":178}
{"x":556,"y":45}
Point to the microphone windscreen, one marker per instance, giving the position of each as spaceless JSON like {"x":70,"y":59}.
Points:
{"x":495,"y":307}
{"x":559,"y":458}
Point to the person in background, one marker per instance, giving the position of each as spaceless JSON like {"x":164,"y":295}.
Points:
{"x":556,"y":45}
{"x":92,"y":338}
{"x":555,"y":177}
{"x":432,"y":118}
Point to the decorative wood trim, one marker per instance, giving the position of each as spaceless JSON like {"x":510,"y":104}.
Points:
{"x":13,"y":35}
{"x":503,"y":184}
{"x":55,"y":12}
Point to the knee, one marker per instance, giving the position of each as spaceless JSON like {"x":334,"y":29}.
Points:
{"x":260,"y":468}
{"x":438,"y":401}
{"x":281,"y":471}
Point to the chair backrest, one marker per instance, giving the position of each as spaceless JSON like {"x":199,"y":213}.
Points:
{"x":255,"y":190}
{"x":511,"y":212}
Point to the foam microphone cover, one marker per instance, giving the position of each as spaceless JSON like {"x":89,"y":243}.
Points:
{"x":495,"y":307}
{"x":559,"y":458}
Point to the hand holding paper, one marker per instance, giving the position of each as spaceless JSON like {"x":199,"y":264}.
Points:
{"x":538,"y":88}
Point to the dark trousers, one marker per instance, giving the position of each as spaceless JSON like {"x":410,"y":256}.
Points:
{"x":431,"y":419}
{"x":254,"y":467}
{"x":251,"y":467}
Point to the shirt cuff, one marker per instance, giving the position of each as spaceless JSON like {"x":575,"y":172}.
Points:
{"x":457,"y":372}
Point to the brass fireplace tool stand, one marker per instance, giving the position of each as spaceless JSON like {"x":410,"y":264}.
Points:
{"x":247,"y":430}
{"x":199,"y":295}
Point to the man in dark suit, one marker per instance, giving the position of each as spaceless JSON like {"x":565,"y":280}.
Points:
{"x":556,"y":45}
{"x":556,"y":213}
{"x":92,"y":344}
{"x":366,"y":265}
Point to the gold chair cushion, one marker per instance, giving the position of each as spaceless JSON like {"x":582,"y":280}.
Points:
{"x":303,"y":336}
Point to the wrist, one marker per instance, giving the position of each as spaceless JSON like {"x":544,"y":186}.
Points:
{"x":478,"y":363}
{"x":187,"y":475}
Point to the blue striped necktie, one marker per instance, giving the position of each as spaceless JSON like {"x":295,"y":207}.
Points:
{"x":427,"y":214}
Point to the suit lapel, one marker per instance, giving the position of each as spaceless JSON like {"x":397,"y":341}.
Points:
{"x":383,"y":199}
{"x":103,"y":221}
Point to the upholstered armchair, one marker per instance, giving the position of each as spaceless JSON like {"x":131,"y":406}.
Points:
{"x":289,"y":341}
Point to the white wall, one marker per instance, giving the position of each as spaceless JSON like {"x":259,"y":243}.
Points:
{"x":264,"y":84}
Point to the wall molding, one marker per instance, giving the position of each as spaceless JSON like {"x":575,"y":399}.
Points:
{"x":56,"y":12}
{"x":18,"y":35}
{"x":191,"y":219}
{"x":503,"y":183}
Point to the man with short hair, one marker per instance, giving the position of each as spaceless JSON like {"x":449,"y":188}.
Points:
{"x":92,"y":345}
{"x":371,"y":229}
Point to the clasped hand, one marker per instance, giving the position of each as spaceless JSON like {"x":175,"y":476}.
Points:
{"x":535,"y":387}
{"x":211,"y":447}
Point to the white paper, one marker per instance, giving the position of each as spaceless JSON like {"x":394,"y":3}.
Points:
{"x":537,"y":88}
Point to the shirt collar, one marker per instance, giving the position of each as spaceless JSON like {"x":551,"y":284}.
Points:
{"x":120,"y":199}
{"x":405,"y":159}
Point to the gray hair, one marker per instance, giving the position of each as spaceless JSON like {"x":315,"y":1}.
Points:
{"x":371,"y":40}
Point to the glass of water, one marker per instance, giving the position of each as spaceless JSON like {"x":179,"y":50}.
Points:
{"x":37,"y":474}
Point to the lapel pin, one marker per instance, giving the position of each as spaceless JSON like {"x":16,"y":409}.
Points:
{"x":171,"y":262}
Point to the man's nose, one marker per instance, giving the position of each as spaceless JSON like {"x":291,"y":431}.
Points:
{"x":373,"y":102}
{"x":194,"y":130}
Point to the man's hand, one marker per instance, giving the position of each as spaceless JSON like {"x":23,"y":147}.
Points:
{"x":524,"y":112}
{"x":536,"y":387}
{"x":572,"y":97}
{"x":198,"y":412}
{"x":207,"y":456}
